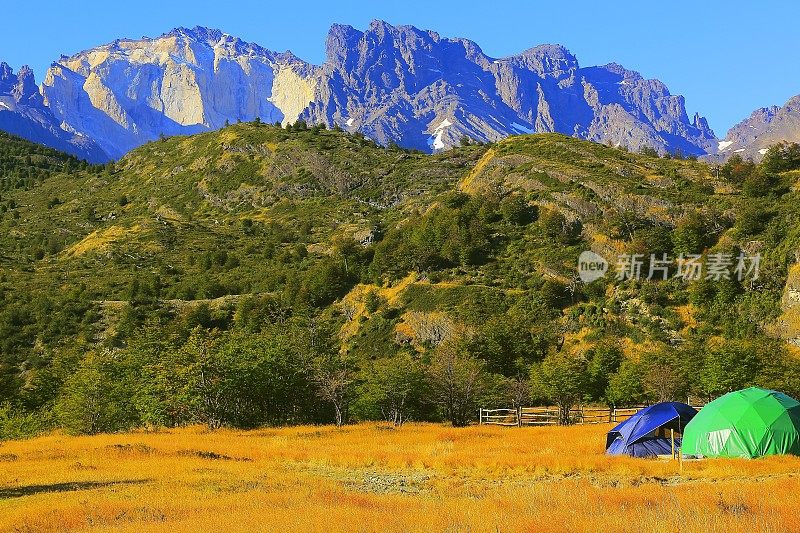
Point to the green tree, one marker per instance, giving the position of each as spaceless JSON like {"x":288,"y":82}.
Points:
{"x":760,"y":183}
{"x":515,"y":210}
{"x":692,"y":234}
{"x":731,"y":366}
{"x":392,"y":388}
{"x":753,"y":218}
{"x":323,"y":283}
{"x":625,"y":386}
{"x":554,"y":294}
{"x":604,"y":360}
{"x":648,"y":151}
{"x":781,"y":157}
{"x":157,"y":371}
{"x":94,"y":399}
{"x":18,"y":424}
{"x":263,"y":379}
{"x":508,"y":343}
{"x":372,"y":301}
{"x":737,"y":170}
{"x":562,"y":378}
{"x":555,"y":225}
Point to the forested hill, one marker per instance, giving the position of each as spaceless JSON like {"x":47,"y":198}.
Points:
{"x":23,"y":164}
{"x":261,"y":274}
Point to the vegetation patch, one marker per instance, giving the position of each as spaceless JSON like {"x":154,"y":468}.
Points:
{"x":213,"y":456}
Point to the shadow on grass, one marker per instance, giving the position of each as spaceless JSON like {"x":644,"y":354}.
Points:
{"x":30,"y":490}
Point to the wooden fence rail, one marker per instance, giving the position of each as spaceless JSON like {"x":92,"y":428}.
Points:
{"x":549,"y":416}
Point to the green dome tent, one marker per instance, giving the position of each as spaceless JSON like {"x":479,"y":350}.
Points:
{"x":747,"y":423}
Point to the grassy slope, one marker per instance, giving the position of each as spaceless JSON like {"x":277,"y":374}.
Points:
{"x":168,"y":207}
{"x":368,"y":477}
{"x":187,"y":196}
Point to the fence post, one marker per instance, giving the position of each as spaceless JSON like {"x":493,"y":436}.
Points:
{"x":480,"y":416}
{"x":672,"y":441}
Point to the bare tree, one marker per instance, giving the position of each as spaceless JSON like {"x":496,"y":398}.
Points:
{"x":518,"y":391}
{"x":663,"y":381}
{"x":457,"y":381}
{"x":333,"y":376}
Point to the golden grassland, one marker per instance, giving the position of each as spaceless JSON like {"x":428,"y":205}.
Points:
{"x":369,"y":477}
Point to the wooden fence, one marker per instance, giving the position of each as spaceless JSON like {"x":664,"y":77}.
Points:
{"x":549,"y":416}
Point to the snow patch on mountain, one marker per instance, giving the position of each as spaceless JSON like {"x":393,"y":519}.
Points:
{"x":723,"y":145}
{"x":436,"y":142}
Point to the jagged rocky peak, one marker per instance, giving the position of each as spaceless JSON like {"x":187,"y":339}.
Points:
{"x":23,"y":113}
{"x":6,"y":72}
{"x":216,"y":38}
{"x":547,"y":60}
{"x":8,"y":80}
{"x":20,"y":86}
{"x":622,"y":72}
{"x":382,"y":44}
{"x":766,"y":126}
{"x":339,"y":41}
{"x":701,"y":123}
{"x":26,"y":88}
{"x":198,"y":33}
{"x":440,"y":89}
{"x":403,"y":36}
{"x":396,"y":84}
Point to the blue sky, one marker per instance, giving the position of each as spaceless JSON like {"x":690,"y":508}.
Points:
{"x":726,"y":58}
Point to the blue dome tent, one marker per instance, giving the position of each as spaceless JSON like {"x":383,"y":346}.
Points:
{"x":647,"y":433}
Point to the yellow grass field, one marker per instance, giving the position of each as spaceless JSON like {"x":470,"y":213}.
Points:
{"x":421,"y":477}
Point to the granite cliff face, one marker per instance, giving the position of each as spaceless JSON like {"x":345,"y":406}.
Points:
{"x":129,"y":92}
{"x":23,"y":113}
{"x":752,"y":137}
{"x":395,"y":84}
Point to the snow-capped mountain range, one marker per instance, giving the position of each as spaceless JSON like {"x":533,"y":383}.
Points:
{"x":395,"y":84}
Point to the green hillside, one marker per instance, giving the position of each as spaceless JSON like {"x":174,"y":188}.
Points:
{"x":262,"y":275}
